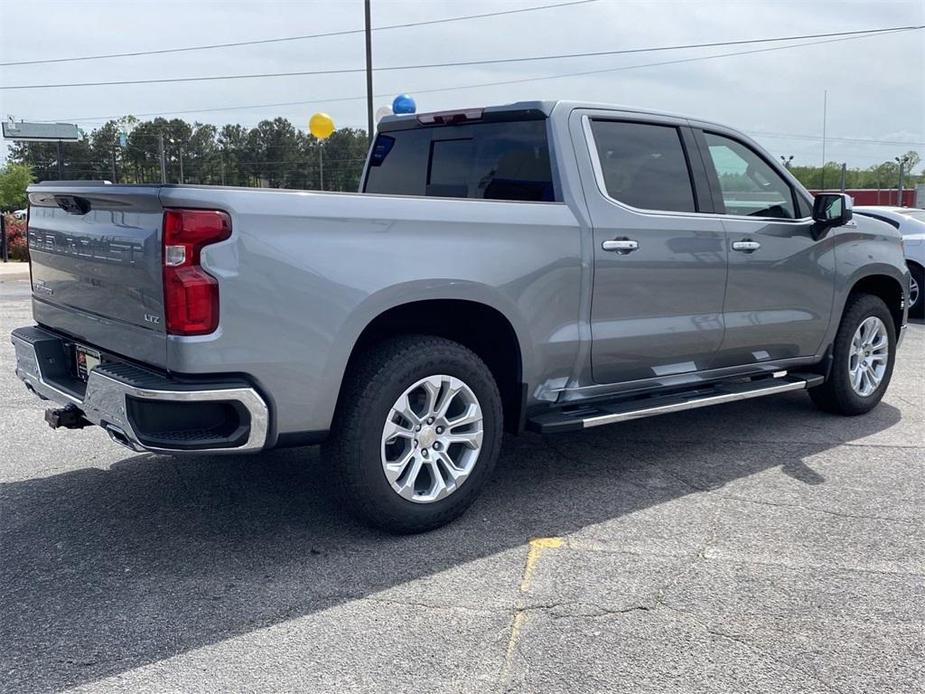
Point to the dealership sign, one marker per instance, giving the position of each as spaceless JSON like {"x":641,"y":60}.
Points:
{"x":40,"y":132}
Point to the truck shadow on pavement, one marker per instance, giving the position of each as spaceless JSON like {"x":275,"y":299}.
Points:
{"x":105,"y":570}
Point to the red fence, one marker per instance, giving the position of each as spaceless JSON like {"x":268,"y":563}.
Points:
{"x":877,"y":196}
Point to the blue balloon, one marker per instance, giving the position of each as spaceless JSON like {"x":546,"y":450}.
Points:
{"x":403,"y":104}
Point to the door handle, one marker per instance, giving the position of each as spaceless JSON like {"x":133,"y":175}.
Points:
{"x":747,"y":246}
{"x":622,"y":246}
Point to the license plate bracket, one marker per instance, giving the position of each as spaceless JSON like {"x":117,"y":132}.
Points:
{"x":85,"y":360}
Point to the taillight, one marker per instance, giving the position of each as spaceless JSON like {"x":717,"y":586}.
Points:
{"x":191,"y":293}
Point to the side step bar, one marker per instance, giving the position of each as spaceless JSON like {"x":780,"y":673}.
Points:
{"x":580,"y":416}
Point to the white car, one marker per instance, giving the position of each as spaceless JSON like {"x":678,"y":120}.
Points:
{"x":911,"y":224}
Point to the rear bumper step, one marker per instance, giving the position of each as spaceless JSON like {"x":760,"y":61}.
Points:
{"x":142,"y":409}
{"x":575,"y":417}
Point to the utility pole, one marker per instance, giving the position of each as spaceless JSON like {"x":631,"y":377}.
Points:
{"x":369,"y":73}
{"x":114,"y":177}
{"x":825,"y":107}
{"x":844,"y":175}
{"x":161,"y":156}
{"x":4,"y":251}
{"x":899,"y":195}
{"x":60,"y":164}
{"x":181,"y":163}
{"x":223,"y":168}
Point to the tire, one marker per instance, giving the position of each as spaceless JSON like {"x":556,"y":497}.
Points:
{"x":837,"y":394}
{"x":359,"y":450}
{"x":917,"y":308}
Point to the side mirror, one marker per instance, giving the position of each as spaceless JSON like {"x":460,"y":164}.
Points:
{"x":832,"y":210}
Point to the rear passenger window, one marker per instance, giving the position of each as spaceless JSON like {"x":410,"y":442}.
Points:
{"x":644,"y":165}
{"x":748,"y":184}
{"x":492,"y":161}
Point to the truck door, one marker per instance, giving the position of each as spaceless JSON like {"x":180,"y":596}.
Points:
{"x":781,"y":277}
{"x":659,"y":264}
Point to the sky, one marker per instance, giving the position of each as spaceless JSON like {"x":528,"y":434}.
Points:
{"x":876,"y":85}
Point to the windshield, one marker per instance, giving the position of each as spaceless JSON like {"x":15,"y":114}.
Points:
{"x":915,"y":214}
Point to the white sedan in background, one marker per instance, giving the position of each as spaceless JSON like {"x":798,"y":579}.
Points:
{"x":911,"y":224}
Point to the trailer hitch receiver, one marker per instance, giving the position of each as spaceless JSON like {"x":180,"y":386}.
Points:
{"x":66,"y":418}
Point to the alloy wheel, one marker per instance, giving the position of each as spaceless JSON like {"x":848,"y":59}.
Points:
{"x":431,"y":439}
{"x":868,"y":356}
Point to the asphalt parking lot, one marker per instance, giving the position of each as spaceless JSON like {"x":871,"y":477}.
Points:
{"x":756,"y":547}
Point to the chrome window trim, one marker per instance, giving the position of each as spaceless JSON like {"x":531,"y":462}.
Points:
{"x":602,"y":188}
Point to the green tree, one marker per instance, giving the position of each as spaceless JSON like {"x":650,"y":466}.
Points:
{"x":879,"y":176}
{"x":274,"y":153}
{"x":14,"y":178}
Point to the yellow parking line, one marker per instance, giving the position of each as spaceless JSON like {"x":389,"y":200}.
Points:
{"x":535,"y":548}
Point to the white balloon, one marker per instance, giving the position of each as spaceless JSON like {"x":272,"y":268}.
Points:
{"x":382,"y":112}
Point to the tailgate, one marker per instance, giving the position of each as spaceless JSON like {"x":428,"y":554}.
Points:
{"x":96,"y":266}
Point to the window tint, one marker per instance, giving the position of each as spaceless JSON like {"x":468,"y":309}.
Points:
{"x":644,"y":165}
{"x":748,"y":184}
{"x":495,"y":161}
{"x":450,"y":167}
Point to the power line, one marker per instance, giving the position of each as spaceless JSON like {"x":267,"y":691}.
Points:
{"x":468,"y":63}
{"x":855,"y":140}
{"x":508,"y":82}
{"x":137,"y":137}
{"x":282,"y":39}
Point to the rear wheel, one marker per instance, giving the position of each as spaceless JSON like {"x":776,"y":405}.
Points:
{"x":862,"y":358}
{"x":417,"y":434}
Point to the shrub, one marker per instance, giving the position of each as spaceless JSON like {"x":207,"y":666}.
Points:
{"x":16,"y":238}
{"x":14,"y":178}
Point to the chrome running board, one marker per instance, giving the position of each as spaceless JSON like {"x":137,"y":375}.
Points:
{"x":584,"y":416}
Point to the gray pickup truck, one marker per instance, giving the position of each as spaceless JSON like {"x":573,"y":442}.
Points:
{"x":549,"y":266}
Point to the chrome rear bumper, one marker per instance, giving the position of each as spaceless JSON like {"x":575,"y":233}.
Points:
{"x":39,"y":357}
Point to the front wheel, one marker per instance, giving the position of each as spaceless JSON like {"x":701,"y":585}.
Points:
{"x":418,"y":432}
{"x":916,"y":292}
{"x":862,"y":358}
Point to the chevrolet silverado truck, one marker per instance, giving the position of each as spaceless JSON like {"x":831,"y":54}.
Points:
{"x":548,"y":266}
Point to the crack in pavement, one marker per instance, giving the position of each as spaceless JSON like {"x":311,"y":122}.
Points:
{"x":784,"y":504}
{"x":815,"y":509}
{"x":762,"y":653}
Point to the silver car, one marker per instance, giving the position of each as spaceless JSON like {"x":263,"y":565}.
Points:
{"x":911,"y":224}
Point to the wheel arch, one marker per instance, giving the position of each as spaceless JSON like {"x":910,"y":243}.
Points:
{"x":886,"y":287}
{"x":479,"y":326}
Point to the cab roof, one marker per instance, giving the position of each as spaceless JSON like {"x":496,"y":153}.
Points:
{"x":518,"y":110}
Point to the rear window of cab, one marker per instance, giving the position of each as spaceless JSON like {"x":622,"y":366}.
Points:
{"x":489,"y":161}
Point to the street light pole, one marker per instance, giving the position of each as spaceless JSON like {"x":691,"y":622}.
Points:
{"x":825,"y":109}
{"x":369,"y":73}
{"x":786,"y":161}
